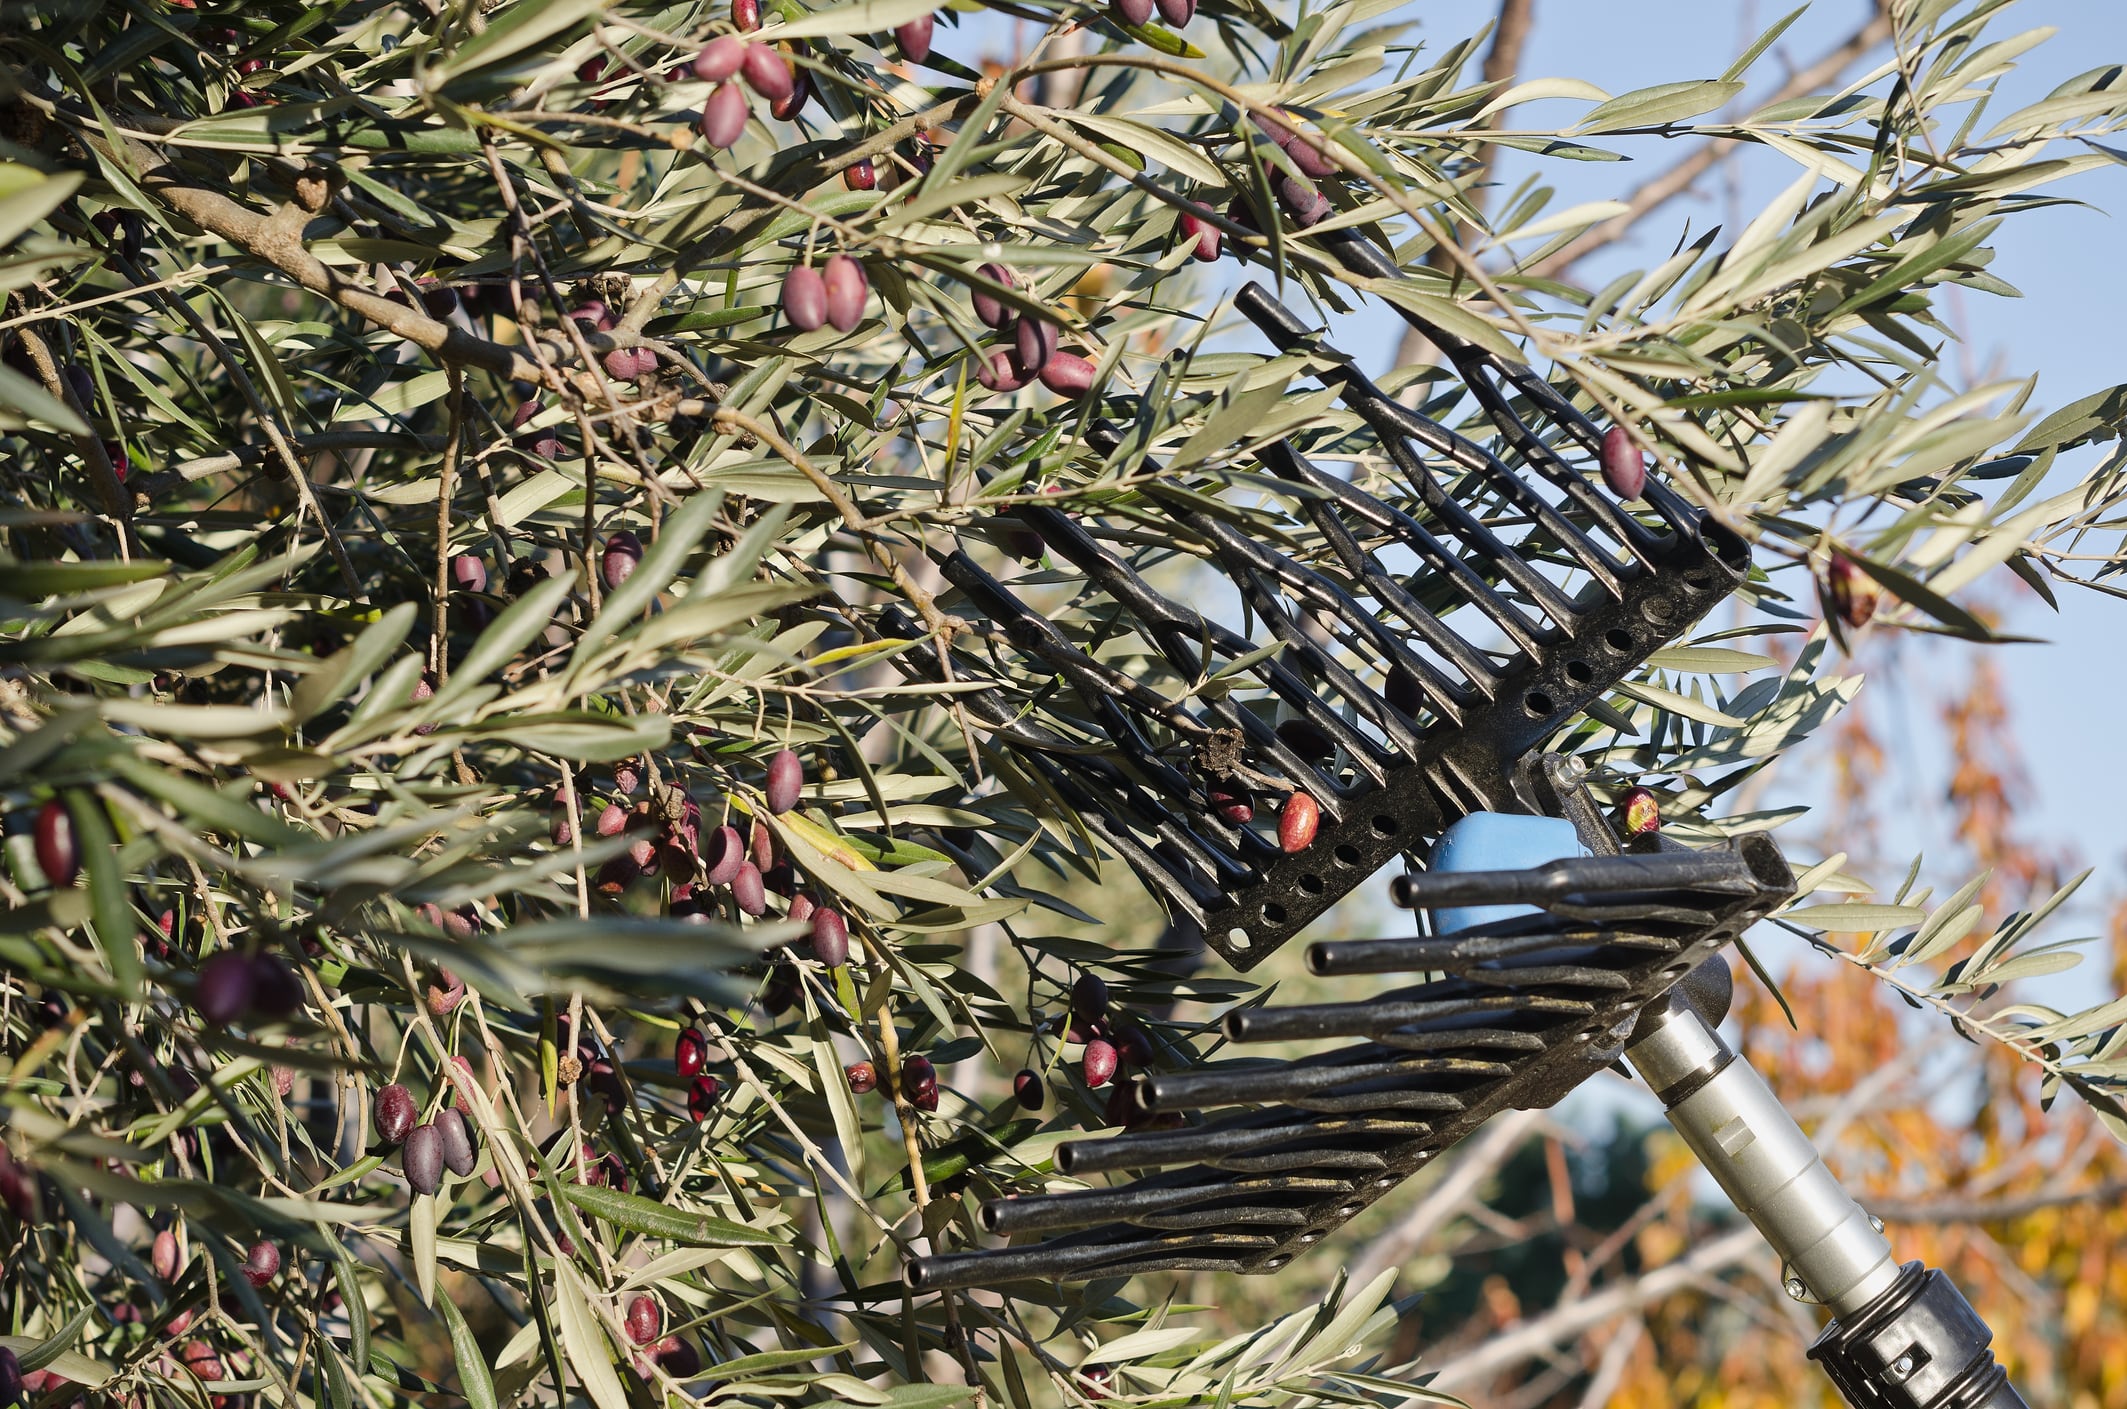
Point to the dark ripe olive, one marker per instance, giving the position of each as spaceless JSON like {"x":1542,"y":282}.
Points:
{"x":786,"y":777}
{"x":616,"y":874}
{"x":830,"y":937}
{"x":1307,"y":739}
{"x":1134,"y":1048}
{"x":57,"y":855}
{"x":781,"y":992}
{"x":1177,"y":12}
{"x":1403,"y":692}
{"x":275,"y":990}
{"x":440,"y":300}
{"x":748,"y":890}
{"x":1099,"y":1063}
{"x":1093,"y":1380}
{"x":768,"y":73}
{"x":225,"y":987}
{"x":1035,"y":342}
{"x":81,"y":384}
{"x":620,"y":364}
{"x":919,"y":1082}
{"x":162,"y":1256}
{"x":998,"y":370}
{"x":723,"y":856}
{"x":262,"y":1263}
{"x":701,"y":1096}
{"x":455,"y":1138}
{"x":623,"y":551}
{"x":992,"y":311}
{"x":1306,"y":205}
{"x":679,"y":1358}
{"x":914,"y":38}
{"x":1028,"y":1089}
{"x":763,"y":849}
{"x":1230,"y":804}
{"x":1135,"y":13}
{"x":785,"y":108}
{"x":646,"y":1319}
{"x":423,"y":1159}
{"x":724,"y":116}
{"x":393,"y":1113}
{"x":1089,"y":997}
{"x":847,"y":289}
{"x":1067,"y":374}
{"x":1298,"y":821}
{"x":1624,"y":467}
{"x":691,"y":1053}
{"x":805,"y":299}
{"x":720,"y":58}
{"x":862,"y":1077}
{"x":1853,"y":594}
{"x":861,"y":176}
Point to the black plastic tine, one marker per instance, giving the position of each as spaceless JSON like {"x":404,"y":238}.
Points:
{"x":1586,"y":877}
{"x":1141,"y":1202}
{"x":1442,"y":692}
{"x":1465,"y":949}
{"x":1274,"y":1140}
{"x":1202,"y":1252}
{"x":1303,"y":1085}
{"x":1387,"y":415}
{"x":1366,"y":1018}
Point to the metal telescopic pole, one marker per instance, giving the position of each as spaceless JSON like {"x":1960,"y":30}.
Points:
{"x":1903,"y":1337}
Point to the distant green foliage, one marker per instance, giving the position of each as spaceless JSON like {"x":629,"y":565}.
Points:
{"x":349,"y":582}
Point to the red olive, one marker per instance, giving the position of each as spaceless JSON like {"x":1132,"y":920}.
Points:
{"x":805,"y":298}
{"x":1298,"y":821}
{"x":1853,"y":594}
{"x":1098,"y":1065}
{"x":862,"y":1077}
{"x":469,"y":571}
{"x":646,"y":1319}
{"x":786,"y":776}
{"x":162,"y":1257}
{"x":768,"y":73}
{"x":919,"y":1082}
{"x":861,"y":175}
{"x":1203,"y":233}
{"x":691,"y":1053}
{"x":748,"y":891}
{"x":846,"y":289}
{"x":1230,"y":804}
{"x":724,"y":116}
{"x":802,"y":907}
{"x":612,"y":820}
{"x":830,"y":937}
{"x":724,"y":855}
{"x":1643,"y":814}
{"x":914,"y":38}
{"x":57,"y":854}
{"x":746,"y":15}
{"x":394,"y":1113}
{"x":720,"y":58}
{"x":1068,"y":375}
{"x":701,"y":1096}
{"x":262,"y":1263}
{"x":762,"y":849}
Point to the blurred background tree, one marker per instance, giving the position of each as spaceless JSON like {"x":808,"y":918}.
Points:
{"x":487,"y":916}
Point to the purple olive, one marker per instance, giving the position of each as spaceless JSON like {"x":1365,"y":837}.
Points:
{"x":862,"y":1077}
{"x":723,"y":856}
{"x":1403,"y":692}
{"x":1306,"y":205}
{"x":1068,"y":375}
{"x":846,"y":289}
{"x":57,"y":854}
{"x":1099,"y":1063}
{"x":919,"y":1082}
{"x":830,"y":937}
{"x":455,"y":1138}
{"x":1203,"y":233}
{"x":861,"y":176}
{"x":162,"y":1256}
{"x":469,"y":571}
{"x":423,"y":1159}
{"x":745,"y":15}
{"x":592,"y":316}
{"x":679,"y":1359}
{"x":1177,"y":12}
{"x":988,"y":307}
{"x":786,"y":776}
{"x":914,"y":38}
{"x":691,"y":1053}
{"x":393,"y":1113}
{"x":805,"y":298}
{"x":1035,"y":342}
{"x":724,"y":116}
{"x":612,"y":820}
{"x":225,"y":988}
{"x":998,"y":370}
{"x":1231,"y":805}
{"x":1028,"y":1089}
{"x":275,"y":990}
{"x":802,"y":907}
{"x":763,"y":848}
{"x":262,"y":1263}
{"x":768,"y":73}
{"x":748,"y":890}
{"x":623,"y":551}
{"x":1624,"y":467}
{"x":444,"y":993}
{"x":720,"y":58}
{"x":1134,"y":13}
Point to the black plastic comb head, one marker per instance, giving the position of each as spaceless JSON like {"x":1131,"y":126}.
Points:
{"x":1519,"y":1013}
{"x":1393,"y":649}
